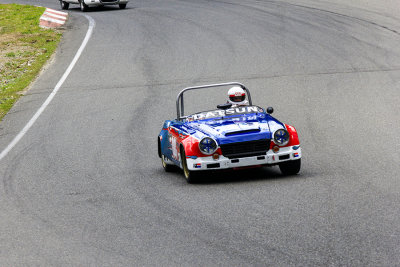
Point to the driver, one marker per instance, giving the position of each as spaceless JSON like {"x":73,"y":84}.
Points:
{"x":237,"y":97}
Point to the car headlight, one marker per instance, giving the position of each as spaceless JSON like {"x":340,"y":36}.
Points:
{"x":207,"y":145}
{"x":281,"y":137}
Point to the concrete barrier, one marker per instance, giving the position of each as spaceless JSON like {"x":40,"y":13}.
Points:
{"x":52,"y":18}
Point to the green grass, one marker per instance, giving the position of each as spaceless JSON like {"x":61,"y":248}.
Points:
{"x":24,"y":49}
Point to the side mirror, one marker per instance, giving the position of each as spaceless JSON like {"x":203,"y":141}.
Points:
{"x":224,"y":106}
{"x":270,"y":110}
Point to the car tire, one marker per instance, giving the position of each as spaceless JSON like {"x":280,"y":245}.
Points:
{"x":83,"y":6}
{"x":167,"y":167}
{"x":64,"y":5}
{"x":190,"y":176}
{"x":122,"y":6}
{"x":290,"y":167}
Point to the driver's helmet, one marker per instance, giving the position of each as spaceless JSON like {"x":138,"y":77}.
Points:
{"x":237,"y":96}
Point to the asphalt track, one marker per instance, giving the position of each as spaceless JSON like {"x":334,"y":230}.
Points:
{"x":84,"y":186}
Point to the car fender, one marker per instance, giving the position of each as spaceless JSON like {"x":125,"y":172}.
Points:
{"x":192,"y":150}
{"x":294,"y":138}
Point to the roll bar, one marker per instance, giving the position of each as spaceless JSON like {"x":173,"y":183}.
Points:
{"x":179,"y":100}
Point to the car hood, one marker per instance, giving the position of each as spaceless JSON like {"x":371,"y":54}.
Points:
{"x":236,"y":129}
{"x":227,"y":127}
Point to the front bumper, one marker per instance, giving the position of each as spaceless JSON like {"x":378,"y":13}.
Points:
{"x":270,"y":158}
{"x":94,"y":3}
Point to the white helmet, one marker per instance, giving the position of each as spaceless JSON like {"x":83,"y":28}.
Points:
{"x":237,"y":96}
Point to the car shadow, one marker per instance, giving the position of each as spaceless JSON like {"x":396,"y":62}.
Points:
{"x":241,"y":176}
{"x":76,"y":8}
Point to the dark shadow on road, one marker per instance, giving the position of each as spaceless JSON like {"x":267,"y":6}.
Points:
{"x":114,"y":8}
{"x":241,"y":176}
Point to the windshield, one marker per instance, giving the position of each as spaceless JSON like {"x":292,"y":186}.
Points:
{"x":205,"y":96}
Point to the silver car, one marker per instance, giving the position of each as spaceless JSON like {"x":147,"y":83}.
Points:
{"x":85,"y":4}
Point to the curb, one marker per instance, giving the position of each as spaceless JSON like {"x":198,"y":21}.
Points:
{"x":52,"y":18}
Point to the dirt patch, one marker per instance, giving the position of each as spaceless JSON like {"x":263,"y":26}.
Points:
{"x":15,"y":57}
{"x":9,"y":43}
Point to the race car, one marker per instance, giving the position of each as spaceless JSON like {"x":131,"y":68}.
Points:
{"x":227,"y":137}
{"x":85,"y":4}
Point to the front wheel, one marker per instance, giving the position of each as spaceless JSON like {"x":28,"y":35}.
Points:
{"x":189,"y":175}
{"x":83,"y":6}
{"x":64,"y":5}
{"x":290,"y":167}
{"x":122,"y":6}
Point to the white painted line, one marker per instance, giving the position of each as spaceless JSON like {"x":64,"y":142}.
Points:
{"x":54,"y":15}
{"x":53,"y":20}
{"x":21,"y":134}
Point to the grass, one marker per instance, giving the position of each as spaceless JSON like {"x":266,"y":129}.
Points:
{"x":24,"y":49}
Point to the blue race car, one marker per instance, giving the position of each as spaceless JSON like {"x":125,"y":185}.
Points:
{"x":229,"y":137}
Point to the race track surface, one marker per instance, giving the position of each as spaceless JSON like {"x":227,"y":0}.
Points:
{"x":85,"y":186}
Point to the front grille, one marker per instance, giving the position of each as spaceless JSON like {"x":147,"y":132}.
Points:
{"x":245,"y":149}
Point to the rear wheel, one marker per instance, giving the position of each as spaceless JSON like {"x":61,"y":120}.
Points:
{"x":290,"y":167}
{"x":122,"y":6}
{"x":64,"y":5}
{"x":167,"y":167}
{"x":83,"y":6}
{"x":189,"y":175}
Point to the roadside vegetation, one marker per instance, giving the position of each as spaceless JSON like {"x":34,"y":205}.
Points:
{"x":24,"y":49}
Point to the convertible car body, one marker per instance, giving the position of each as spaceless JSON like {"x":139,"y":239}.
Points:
{"x":227,"y":138}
